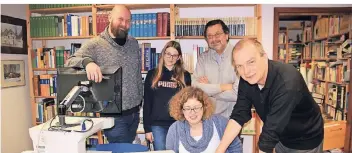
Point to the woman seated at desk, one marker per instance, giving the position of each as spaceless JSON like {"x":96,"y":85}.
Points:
{"x":197,"y":129}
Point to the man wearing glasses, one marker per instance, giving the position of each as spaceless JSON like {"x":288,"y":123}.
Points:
{"x":214,"y":72}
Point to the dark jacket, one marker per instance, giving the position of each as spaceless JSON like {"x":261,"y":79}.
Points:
{"x":286,"y":107}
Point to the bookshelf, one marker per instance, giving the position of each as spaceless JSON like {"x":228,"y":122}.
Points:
{"x":324,"y":60}
{"x":42,"y":36}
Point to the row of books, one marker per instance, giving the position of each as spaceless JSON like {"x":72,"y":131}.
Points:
{"x":238,"y":26}
{"x":337,"y":97}
{"x":332,"y":113}
{"x":142,"y":24}
{"x":45,"y":6}
{"x":52,"y":57}
{"x":330,"y":25}
{"x":295,"y":56}
{"x":337,"y":48}
{"x":332,"y":71}
{"x":46,"y":109}
{"x":45,"y":85}
{"x":315,"y":50}
{"x":282,"y":38}
{"x":59,"y":26}
{"x":150,"y":58}
{"x":57,"y":56}
{"x":334,"y":105}
{"x":336,"y":71}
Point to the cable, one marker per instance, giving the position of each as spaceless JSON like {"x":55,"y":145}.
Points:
{"x":40,"y":132}
{"x":60,"y":128}
{"x":83,"y":124}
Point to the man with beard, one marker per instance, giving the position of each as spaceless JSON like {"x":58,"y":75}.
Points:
{"x":214,"y":72}
{"x":114,"y":48}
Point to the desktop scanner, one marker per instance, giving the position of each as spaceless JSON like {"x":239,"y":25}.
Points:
{"x":75,"y":93}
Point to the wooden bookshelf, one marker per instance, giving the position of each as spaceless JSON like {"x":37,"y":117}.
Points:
{"x":212,"y":5}
{"x":202,"y":37}
{"x":44,"y":96}
{"x":94,"y":9}
{"x":75,"y":9}
{"x":153,"y":38}
{"x":44,"y":69}
{"x":323,"y":48}
{"x":134,"y":6}
{"x":61,"y":38}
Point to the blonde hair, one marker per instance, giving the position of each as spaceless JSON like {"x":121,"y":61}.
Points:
{"x":245,"y":42}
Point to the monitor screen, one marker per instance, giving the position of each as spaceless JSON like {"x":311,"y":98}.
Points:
{"x":102,"y":97}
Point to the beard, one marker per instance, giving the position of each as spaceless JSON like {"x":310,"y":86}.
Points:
{"x":118,"y":32}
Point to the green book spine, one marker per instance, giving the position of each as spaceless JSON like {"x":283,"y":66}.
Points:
{"x":40,"y":27}
{"x":52,"y":26}
{"x":35,"y":26}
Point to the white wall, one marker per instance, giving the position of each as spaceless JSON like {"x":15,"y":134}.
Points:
{"x":268,"y":22}
{"x":15,"y":113}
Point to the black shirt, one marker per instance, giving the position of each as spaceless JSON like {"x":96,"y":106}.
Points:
{"x":286,"y":107}
{"x":120,"y":41}
{"x":156,"y":100}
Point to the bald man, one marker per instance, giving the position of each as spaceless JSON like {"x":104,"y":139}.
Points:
{"x":114,"y":48}
{"x":292,"y":119}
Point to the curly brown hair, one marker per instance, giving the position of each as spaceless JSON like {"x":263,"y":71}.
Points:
{"x":178,"y":100}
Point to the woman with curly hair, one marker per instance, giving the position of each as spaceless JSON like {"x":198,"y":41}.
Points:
{"x":197,"y":129}
{"x":160,"y":85}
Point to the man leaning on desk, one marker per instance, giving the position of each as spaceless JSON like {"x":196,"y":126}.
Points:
{"x":292,"y":119}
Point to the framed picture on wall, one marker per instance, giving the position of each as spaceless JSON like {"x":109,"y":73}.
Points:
{"x":13,"y":35}
{"x":12,"y":73}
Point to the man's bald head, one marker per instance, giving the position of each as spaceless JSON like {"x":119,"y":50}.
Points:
{"x":249,"y":43}
{"x":118,"y":9}
{"x":120,"y":21}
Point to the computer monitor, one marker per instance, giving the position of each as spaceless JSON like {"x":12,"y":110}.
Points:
{"x":103,"y":97}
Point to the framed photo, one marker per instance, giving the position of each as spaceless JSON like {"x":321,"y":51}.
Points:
{"x":12,"y":73}
{"x":13,"y":35}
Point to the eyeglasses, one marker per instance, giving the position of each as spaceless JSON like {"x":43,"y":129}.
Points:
{"x":195,"y":109}
{"x":168,"y":55}
{"x":217,"y":35}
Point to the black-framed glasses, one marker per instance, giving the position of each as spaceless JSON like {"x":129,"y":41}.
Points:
{"x":195,"y":109}
{"x":168,"y":55}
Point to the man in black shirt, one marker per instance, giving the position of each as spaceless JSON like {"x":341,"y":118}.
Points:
{"x":292,"y":119}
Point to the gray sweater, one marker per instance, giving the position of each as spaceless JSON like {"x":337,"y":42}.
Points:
{"x":105,"y":52}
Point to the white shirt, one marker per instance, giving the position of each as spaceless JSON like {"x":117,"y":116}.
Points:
{"x":213,"y":144}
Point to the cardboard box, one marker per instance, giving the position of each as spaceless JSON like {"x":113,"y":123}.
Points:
{"x":334,"y":135}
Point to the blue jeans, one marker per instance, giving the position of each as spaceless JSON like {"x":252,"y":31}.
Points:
{"x":159,"y":135}
{"x":124,"y":130}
